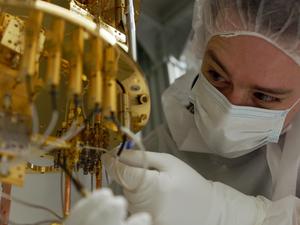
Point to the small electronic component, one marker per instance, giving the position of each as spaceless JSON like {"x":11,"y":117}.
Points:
{"x":14,"y":144}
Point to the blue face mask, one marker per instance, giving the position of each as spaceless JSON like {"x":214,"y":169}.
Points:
{"x":229,"y":130}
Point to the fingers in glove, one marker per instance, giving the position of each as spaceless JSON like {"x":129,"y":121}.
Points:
{"x":155,"y":161}
{"x":139,"y":219}
{"x":86,"y":205}
{"x":131,"y":178}
{"x":100,"y":206}
{"x":112,"y":212}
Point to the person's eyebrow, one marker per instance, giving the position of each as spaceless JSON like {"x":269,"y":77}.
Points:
{"x":276,"y":91}
{"x":215,"y":58}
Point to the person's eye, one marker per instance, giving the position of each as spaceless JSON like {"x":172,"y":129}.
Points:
{"x":265,"y":98}
{"x":217,"y":80}
{"x":215,"y":76}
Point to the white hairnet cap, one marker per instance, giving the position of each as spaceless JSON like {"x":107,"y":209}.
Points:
{"x":276,"y":21}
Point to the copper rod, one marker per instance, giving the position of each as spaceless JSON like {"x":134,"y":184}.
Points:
{"x":67,"y":205}
{"x":5,"y":204}
{"x":99,"y":176}
{"x":98,"y":181}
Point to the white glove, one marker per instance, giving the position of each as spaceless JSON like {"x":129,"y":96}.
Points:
{"x":175,"y":194}
{"x":102,"y":208}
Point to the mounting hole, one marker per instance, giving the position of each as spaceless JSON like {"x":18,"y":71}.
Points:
{"x":135,"y":87}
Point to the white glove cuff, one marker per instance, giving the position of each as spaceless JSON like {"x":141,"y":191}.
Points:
{"x":285,"y":211}
{"x":233,"y":207}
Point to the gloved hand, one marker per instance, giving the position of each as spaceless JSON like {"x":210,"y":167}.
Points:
{"x":175,"y":194}
{"x":102,"y":208}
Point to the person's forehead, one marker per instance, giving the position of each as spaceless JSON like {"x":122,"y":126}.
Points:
{"x":253,"y":56}
{"x":246,"y":41}
{"x":251,"y":49}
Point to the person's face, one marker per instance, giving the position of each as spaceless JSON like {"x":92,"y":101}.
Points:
{"x":249,"y":71}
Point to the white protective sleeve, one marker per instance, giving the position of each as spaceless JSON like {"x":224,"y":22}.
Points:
{"x":285,"y":211}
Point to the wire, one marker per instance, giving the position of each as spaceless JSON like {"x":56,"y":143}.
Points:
{"x":50,"y":128}
{"x":54,"y":117}
{"x":91,"y":115}
{"x":139,"y":143}
{"x":52,"y":123}
{"x":122,"y":147}
{"x":118,"y":124}
{"x":61,"y":191}
{"x":35,"y":223}
{"x":92,"y":182}
{"x":106,"y":176}
{"x":93,"y":148}
{"x":72,"y":132}
{"x":31,"y":205}
{"x":78,"y":185}
{"x":121,"y":86}
{"x":85,"y":89}
{"x":144,"y":161}
{"x":35,"y":119}
{"x":67,"y":107}
{"x":69,"y":135}
{"x":76,"y":101}
{"x":28,"y":82}
{"x":53,"y":94}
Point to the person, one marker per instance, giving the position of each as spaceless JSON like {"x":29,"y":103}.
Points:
{"x":102,"y":207}
{"x":230,"y":151}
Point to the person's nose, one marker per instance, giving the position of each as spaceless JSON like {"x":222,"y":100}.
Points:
{"x":237,"y":97}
